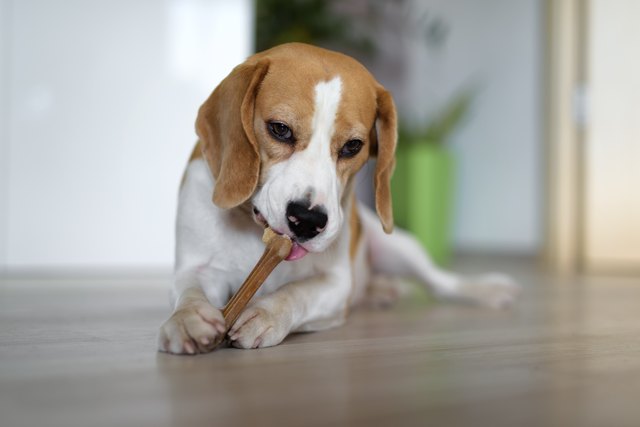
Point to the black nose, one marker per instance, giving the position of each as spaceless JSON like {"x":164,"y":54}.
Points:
{"x":306,"y":223}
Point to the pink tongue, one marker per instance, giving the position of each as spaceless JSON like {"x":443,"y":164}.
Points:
{"x":297,"y":252}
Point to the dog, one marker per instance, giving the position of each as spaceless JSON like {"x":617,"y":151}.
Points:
{"x":280,"y":142}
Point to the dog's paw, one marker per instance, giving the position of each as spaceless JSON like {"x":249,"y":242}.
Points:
{"x":494,"y":290}
{"x":192,"y":329}
{"x":384,"y":291}
{"x":256,"y":328}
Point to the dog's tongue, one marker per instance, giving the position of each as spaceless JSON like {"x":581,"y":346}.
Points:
{"x":297,"y":252}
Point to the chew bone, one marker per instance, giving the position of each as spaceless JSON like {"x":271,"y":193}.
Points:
{"x":277,"y":248}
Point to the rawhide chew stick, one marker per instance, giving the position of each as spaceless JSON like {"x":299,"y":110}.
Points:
{"x":277,"y":248}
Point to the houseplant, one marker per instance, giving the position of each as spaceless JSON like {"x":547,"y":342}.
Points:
{"x":424,"y":180}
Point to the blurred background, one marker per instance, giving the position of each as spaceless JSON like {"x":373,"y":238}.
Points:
{"x":519,"y":135}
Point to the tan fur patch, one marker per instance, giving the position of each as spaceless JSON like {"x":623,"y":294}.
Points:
{"x":356,"y":229}
{"x":224,"y":125}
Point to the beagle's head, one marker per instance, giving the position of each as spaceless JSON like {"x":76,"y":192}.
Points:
{"x":287,"y":131}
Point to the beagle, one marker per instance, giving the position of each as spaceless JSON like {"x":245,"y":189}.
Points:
{"x":280,"y":142}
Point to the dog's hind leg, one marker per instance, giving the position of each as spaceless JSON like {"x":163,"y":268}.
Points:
{"x":400,"y":254}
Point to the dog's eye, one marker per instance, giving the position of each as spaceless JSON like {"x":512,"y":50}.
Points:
{"x":351,"y":148}
{"x":280,"y":131}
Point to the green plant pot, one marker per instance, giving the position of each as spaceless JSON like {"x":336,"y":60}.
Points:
{"x":422,"y":186}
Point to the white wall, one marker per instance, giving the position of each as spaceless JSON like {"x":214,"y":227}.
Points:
{"x":496,"y":45}
{"x":98,"y":123}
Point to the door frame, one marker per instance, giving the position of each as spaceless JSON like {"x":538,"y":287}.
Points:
{"x":564,"y":133}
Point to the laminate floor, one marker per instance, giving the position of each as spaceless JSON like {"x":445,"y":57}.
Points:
{"x":81,"y":352}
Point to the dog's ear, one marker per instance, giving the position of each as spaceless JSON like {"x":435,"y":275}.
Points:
{"x":225,"y":127}
{"x":386,"y":128}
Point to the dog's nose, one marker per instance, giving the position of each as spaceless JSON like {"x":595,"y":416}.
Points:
{"x":305,"y":222}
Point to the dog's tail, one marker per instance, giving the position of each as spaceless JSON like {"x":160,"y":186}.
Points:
{"x":399,"y":254}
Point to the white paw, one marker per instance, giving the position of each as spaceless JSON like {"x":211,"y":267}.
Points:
{"x":192,"y":329}
{"x":494,"y":290}
{"x":256,"y":328}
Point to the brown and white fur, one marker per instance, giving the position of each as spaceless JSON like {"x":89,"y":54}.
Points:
{"x":319,"y":101}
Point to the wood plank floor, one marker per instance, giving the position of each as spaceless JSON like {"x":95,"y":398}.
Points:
{"x":82,"y":353}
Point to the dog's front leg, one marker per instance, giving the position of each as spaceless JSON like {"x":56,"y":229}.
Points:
{"x":194,"y":325}
{"x":313,"y":304}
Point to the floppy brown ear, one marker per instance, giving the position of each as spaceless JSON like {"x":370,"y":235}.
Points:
{"x":225,"y":127}
{"x":387,"y":138}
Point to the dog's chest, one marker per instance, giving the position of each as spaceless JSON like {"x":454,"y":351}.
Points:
{"x":226,"y":244}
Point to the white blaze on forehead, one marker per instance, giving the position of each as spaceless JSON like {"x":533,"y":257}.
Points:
{"x":327,"y":100}
{"x":317,"y":155}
